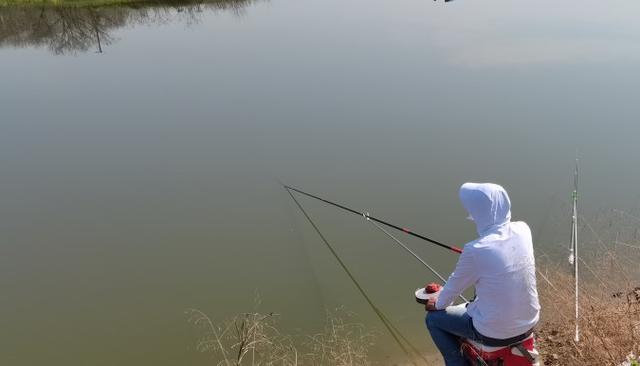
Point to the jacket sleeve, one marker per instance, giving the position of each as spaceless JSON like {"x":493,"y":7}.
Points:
{"x":465,"y":275}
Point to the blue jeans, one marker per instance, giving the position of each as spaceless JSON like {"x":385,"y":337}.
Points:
{"x":446,"y":326}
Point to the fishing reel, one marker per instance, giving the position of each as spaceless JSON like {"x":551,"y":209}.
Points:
{"x":429,"y":292}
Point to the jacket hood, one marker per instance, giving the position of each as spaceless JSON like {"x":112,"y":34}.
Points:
{"x":488,"y":205}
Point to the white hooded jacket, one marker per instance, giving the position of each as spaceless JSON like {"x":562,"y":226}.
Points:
{"x":500,"y":264}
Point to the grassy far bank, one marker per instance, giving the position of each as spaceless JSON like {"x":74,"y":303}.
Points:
{"x":72,"y":26}
{"x":135,"y":3}
{"x":78,"y":3}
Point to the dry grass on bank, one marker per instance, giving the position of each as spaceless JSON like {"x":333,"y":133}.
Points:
{"x":609,"y":324}
{"x":253,"y":339}
{"x":609,"y":309}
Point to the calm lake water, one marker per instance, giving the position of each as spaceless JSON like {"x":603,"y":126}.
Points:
{"x":142,"y":181}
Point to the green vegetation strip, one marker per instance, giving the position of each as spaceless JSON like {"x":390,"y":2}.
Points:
{"x":98,"y":3}
{"x":75,"y":3}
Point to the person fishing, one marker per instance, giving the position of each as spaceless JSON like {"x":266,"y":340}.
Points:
{"x":500,"y":265}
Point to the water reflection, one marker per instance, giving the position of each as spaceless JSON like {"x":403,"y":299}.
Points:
{"x":80,"y":29}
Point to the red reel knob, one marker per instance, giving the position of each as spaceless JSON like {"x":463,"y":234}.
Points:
{"x":432,"y":288}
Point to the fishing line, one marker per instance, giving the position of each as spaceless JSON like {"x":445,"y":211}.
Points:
{"x":413,"y":348}
{"x":405,"y":230}
{"x":412,"y":253}
{"x":626,"y":245}
{"x":385,"y":321}
{"x":304,"y":252}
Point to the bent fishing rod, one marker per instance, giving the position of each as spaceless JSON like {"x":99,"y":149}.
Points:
{"x":369,"y":217}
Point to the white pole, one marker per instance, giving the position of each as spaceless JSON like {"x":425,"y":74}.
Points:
{"x":575,"y":245}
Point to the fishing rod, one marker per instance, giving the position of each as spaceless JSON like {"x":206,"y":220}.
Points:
{"x":375,"y":222}
{"x":369,"y":217}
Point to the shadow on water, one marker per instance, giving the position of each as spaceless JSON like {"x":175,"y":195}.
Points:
{"x":73,"y":29}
